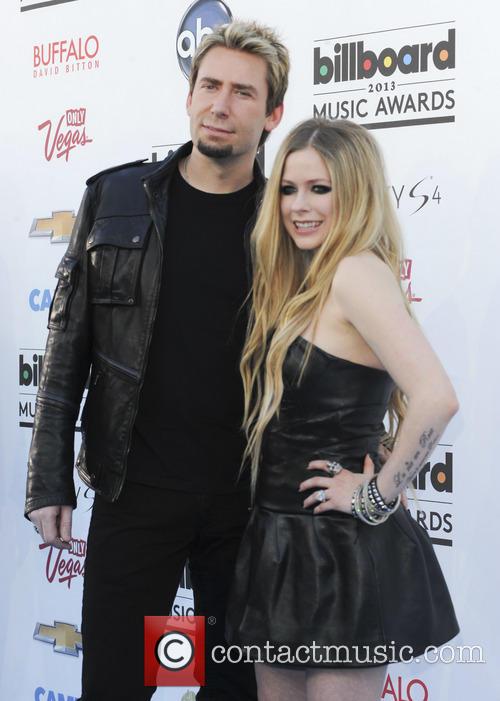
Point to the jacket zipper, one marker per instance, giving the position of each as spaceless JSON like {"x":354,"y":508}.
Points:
{"x":122,"y":369}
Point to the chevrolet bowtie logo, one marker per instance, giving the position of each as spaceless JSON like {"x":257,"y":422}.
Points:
{"x":59,"y":226}
{"x":64,"y":636}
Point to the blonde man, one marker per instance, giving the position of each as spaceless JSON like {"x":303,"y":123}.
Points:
{"x":148,"y":300}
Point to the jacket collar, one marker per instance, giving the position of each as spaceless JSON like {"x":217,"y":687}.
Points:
{"x":164,"y":172}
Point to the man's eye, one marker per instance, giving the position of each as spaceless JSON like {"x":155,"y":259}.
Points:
{"x":287,"y":189}
{"x":243,"y":92}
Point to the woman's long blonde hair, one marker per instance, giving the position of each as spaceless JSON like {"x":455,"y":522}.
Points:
{"x":291,"y":286}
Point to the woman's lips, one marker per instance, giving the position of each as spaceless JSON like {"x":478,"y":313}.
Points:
{"x":307,"y":227}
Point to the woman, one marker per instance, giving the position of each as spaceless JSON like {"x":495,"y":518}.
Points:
{"x":332,"y":346}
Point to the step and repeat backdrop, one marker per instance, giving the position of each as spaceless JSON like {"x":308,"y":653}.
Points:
{"x":88,"y":85}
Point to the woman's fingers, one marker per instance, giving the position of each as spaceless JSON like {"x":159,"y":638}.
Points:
{"x":331,"y":467}
{"x":312,"y":482}
{"x":318,"y":465}
{"x":312,"y":499}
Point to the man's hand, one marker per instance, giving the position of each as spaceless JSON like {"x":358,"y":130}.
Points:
{"x":54,"y":525}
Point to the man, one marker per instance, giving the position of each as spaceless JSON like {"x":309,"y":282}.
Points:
{"x":149,"y":297}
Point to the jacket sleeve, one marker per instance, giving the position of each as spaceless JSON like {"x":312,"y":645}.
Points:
{"x":64,"y":373}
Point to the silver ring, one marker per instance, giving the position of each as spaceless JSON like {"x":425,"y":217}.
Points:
{"x":321,"y":496}
{"x":333,"y":467}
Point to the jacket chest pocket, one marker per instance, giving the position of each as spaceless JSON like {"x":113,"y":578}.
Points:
{"x":115,"y":249}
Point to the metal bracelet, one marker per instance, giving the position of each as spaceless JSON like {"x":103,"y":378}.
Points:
{"x":377,"y":500}
{"x":361,"y":510}
{"x":370,"y":510}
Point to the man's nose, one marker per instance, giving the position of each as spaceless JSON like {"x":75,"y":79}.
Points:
{"x":220,"y":105}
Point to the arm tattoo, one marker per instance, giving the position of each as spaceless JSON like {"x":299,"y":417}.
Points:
{"x":425,"y":437}
{"x":427,"y":441}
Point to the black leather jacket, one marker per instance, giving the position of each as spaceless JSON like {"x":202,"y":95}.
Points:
{"x":101,"y":319}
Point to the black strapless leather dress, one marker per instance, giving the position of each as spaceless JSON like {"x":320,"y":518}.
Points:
{"x":329,"y":579}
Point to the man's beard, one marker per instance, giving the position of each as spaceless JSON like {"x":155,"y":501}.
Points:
{"x":215,"y":151}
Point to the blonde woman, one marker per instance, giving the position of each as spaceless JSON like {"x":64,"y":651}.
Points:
{"x":334,"y":578}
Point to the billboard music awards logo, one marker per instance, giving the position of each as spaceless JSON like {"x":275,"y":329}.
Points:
{"x":66,"y":56}
{"x":198,"y":20}
{"x":40,"y":4}
{"x":30,"y":368}
{"x":65,"y":134}
{"x":388,"y":78}
{"x":64,"y":637}
{"x":63,"y":566}
{"x":432,"y":504}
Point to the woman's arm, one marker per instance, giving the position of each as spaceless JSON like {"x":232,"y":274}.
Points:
{"x":370,"y":299}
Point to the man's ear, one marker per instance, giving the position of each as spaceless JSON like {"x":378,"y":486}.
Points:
{"x":189,"y":99}
{"x":274,"y":118}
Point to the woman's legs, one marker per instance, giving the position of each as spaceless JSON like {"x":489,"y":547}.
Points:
{"x":345,"y":684}
{"x":276,"y":684}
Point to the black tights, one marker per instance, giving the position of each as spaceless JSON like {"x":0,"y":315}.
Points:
{"x":275,"y":684}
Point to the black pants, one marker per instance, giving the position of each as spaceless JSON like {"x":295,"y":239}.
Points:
{"x":137,"y":549}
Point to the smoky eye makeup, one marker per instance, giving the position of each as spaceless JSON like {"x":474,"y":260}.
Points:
{"x":318,"y":189}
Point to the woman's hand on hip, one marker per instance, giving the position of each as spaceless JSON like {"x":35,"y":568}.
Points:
{"x":338,"y":490}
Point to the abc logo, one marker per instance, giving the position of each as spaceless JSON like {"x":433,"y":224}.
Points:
{"x":199,"y":20}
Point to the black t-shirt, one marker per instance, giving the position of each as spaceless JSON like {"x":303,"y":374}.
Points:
{"x":187,"y":434}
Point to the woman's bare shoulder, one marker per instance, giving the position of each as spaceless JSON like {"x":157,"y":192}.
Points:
{"x":363,"y":271}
